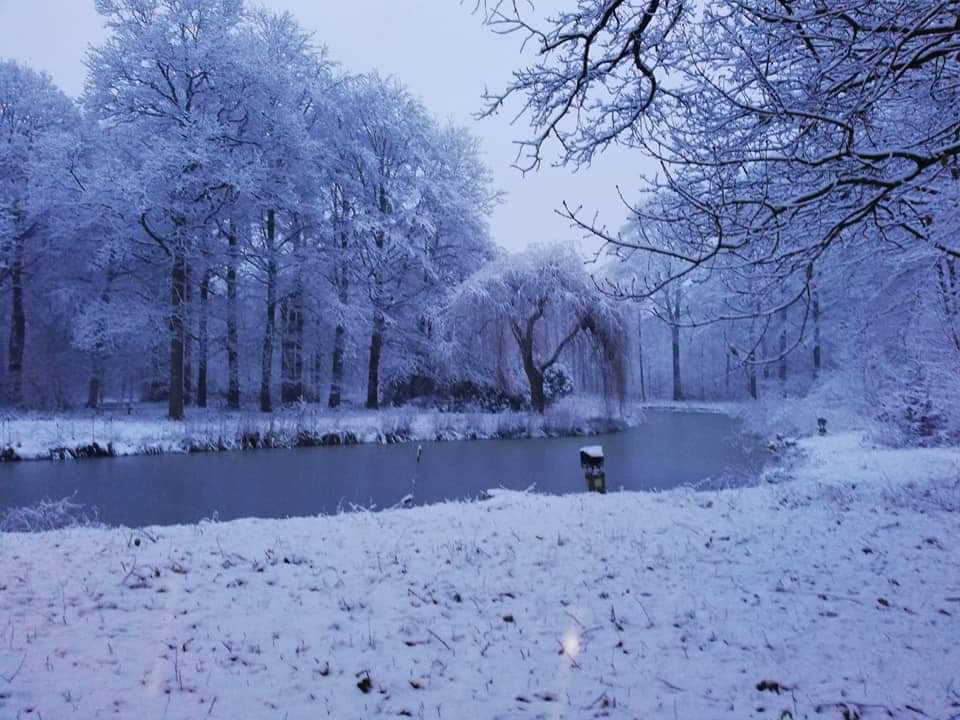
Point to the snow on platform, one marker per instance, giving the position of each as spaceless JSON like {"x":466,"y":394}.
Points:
{"x":834,"y":595}
{"x":594,"y":452}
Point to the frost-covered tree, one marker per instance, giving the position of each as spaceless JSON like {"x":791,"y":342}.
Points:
{"x":169,"y":74}
{"x":794,"y":140}
{"x":286,"y":150}
{"x":223,"y":204}
{"x":410,"y":204}
{"x":37,"y":162}
{"x":547,"y":300}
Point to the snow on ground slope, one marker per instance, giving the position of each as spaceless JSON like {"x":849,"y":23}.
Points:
{"x":836,"y":595}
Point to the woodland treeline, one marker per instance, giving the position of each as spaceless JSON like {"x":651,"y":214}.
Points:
{"x":225,"y":217}
{"x":803,"y":213}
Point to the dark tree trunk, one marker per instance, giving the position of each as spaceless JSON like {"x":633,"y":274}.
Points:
{"x":782,"y":368}
{"x":373,"y":371}
{"x":316,"y":379}
{"x":203,"y":339}
{"x":95,"y":386}
{"x":266,"y":359}
{"x":291,"y":354}
{"x":157,"y":385}
{"x":765,"y":354}
{"x":538,"y":398}
{"x":674,"y":314}
{"x":233,"y":342}
{"x":525,"y":336}
{"x":726,"y":377}
{"x":340,"y":334}
{"x":188,"y":338}
{"x":503,"y":383}
{"x":18,"y":327}
{"x":336,"y":372}
{"x":178,"y":281}
{"x":703,"y":387}
{"x":675,"y":342}
{"x":286,"y":354}
{"x":752,"y":372}
{"x":643,"y":383}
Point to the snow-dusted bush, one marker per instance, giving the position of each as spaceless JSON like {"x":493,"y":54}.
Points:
{"x":48,"y":515}
{"x":557,"y":383}
{"x":451,"y":395}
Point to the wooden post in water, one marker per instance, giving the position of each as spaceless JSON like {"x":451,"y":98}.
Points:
{"x":591,"y":460}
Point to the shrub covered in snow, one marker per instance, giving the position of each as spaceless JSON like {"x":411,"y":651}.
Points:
{"x":452,"y":395}
{"x":557,"y":383}
{"x":48,"y":515}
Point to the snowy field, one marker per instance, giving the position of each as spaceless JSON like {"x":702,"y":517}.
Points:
{"x":833,"y":595}
{"x":147,"y":432}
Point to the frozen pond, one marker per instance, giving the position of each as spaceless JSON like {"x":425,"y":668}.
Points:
{"x":668,"y":450}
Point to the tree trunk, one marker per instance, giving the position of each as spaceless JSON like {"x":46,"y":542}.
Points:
{"x":336,"y":372}
{"x":538,"y":398}
{"x":286,"y":355}
{"x":188,"y":338}
{"x":675,"y":342}
{"x":95,"y":386}
{"x":340,"y":334}
{"x":703,"y":387}
{"x":292,"y":321}
{"x":765,"y":354}
{"x":752,"y":372}
{"x":18,"y":327}
{"x":178,"y":280}
{"x":782,"y":369}
{"x":726,"y":377}
{"x":203,"y":339}
{"x":316,"y":379}
{"x":266,"y":359}
{"x":157,"y":385}
{"x":373,"y":371}
{"x":643,"y":383}
{"x":233,"y":342}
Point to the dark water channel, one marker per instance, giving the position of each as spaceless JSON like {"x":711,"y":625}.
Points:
{"x":668,"y":450}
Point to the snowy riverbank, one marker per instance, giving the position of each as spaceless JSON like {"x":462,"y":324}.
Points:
{"x":834,"y":595}
{"x":147,"y":432}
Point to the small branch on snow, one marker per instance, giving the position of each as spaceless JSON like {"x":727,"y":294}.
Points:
{"x":133,"y":567}
{"x":10,"y":678}
{"x":670,"y":685}
{"x":442,"y":641}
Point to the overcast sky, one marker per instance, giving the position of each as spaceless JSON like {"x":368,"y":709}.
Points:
{"x":438,"y":48}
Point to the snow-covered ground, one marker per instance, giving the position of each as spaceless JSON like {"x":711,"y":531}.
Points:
{"x":833,"y":595}
{"x":147,"y":431}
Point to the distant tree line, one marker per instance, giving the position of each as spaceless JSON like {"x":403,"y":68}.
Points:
{"x":226,"y":218}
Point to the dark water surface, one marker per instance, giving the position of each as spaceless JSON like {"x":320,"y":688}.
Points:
{"x":668,"y":450}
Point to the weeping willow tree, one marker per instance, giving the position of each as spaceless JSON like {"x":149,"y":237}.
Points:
{"x":549,"y":304}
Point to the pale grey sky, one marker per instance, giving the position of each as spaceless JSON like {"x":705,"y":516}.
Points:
{"x":438,"y":48}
